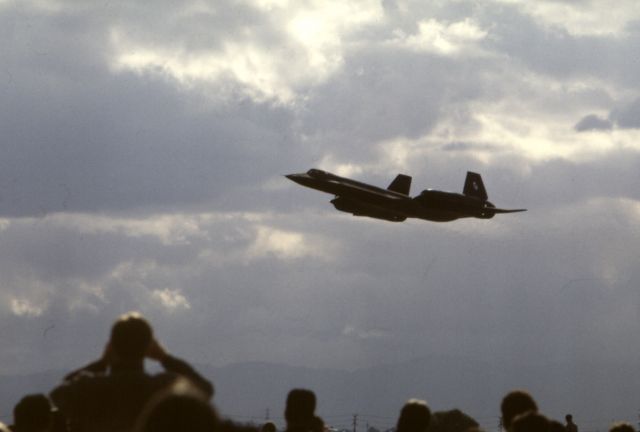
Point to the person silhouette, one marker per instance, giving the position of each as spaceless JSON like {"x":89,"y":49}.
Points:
{"x":530,"y":421}
{"x":414,"y":416}
{"x":570,"y":426}
{"x":299,"y":411}
{"x":621,"y":427}
{"x":109,"y":393}
{"x":269,"y":427}
{"x":515,"y":403}
{"x":182,"y":407}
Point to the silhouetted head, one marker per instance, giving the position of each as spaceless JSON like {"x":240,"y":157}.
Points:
{"x":301,"y":405}
{"x":569,"y":418}
{"x":268,"y":427}
{"x":33,"y":414}
{"x":621,"y":427}
{"x":515,"y":403}
{"x":414,"y":416}
{"x":130,"y":337}
{"x":530,"y":422}
{"x":180,"y":408}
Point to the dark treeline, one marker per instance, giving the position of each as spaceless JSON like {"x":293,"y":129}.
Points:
{"x":114,"y":393}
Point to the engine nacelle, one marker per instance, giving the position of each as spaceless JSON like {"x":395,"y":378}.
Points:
{"x":344,"y":205}
{"x":363,"y":209}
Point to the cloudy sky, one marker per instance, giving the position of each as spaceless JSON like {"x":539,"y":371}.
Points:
{"x":143,"y":148}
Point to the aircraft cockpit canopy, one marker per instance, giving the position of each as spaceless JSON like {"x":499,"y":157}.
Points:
{"x":317,"y":173}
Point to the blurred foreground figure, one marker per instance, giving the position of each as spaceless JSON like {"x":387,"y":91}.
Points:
{"x":451,"y":421}
{"x":269,"y":427}
{"x":33,"y":414}
{"x":181,"y":408}
{"x":530,"y":422}
{"x":299,"y":412}
{"x":110,"y":393}
{"x":515,"y":403}
{"x":621,"y":427}
{"x":414,"y":416}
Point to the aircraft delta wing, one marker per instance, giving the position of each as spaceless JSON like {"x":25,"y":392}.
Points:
{"x":394,"y":203}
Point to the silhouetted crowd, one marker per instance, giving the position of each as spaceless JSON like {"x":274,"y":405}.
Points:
{"x":116,"y":394}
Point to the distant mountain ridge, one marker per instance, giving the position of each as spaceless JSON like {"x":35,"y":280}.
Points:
{"x":595,"y":393}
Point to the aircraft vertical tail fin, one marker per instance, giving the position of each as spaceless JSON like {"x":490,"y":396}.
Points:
{"x":474,"y":187}
{"x":401,"y":184}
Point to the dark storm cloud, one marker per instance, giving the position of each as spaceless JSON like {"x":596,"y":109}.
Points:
{"x":553,"y":50}
{"x":386,"y":93}
{"x":360,"y":101}
{"x":593,"y":122}
{"x":78,"y":137}
{"x":191,"y":26}
{"x":544,"y":186}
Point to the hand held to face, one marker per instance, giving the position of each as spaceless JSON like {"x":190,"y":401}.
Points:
{"x":155,"y":351}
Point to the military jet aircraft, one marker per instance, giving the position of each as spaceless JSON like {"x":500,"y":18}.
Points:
{"x":394,"y":203}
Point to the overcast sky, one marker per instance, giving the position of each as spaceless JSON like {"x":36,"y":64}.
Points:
{"x":143,"y":147}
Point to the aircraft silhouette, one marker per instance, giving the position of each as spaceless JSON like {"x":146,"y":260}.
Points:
{"x":394,"y":203}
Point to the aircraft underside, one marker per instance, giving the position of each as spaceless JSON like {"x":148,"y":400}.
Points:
{"x":361,"y":208}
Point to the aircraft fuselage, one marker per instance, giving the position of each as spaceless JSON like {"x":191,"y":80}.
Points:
{"x":361,"y":199}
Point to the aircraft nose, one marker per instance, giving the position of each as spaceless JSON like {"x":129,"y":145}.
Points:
{"x":295,"y":177}
{"x":300,"y":178}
